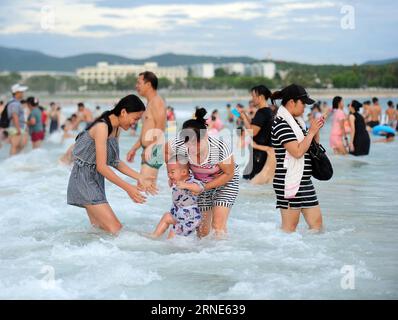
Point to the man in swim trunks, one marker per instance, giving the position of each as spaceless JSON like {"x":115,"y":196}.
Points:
{"x":374,"y":113}
{"x":153,"y":126}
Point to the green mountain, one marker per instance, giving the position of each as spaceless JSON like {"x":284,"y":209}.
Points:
{"x":379,"y":62}
{"x":26,"y":60}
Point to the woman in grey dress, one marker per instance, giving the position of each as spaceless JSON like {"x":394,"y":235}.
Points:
{"x":96,"y":149}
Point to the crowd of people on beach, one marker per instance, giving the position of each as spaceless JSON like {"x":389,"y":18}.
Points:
{"x":203,"y":169}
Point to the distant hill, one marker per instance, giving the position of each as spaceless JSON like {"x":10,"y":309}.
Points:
{"x":27,"y":60}
{"x":379,"y":62}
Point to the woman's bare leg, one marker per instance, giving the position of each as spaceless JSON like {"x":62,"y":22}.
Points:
{"x":290,"y":219}
{"x":220,"y":218}
{"x":102,"y":215}
{"x":313,"y":217}
{"x":205,"y":224}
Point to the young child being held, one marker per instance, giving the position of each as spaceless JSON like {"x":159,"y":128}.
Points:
{"x":184,"y":215}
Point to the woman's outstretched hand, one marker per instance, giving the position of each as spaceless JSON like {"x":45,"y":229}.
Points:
{"x":135,"y":194}
{"x":148,"y":185}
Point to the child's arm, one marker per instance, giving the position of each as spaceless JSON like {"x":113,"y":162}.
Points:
{"x":193,"y":187}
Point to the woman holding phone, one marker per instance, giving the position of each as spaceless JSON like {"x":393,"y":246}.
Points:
{"x":292,"y":184}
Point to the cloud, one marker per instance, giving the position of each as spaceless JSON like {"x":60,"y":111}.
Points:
{"x":89,"y":19}
{"x":287,"y":19}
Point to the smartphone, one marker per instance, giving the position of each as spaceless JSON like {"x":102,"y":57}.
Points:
{"x":235,"y":112}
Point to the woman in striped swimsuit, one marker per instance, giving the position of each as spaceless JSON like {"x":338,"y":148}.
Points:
{"x":96,"y":149}
{"x":212,"y":163}
{"x":293,"y":160}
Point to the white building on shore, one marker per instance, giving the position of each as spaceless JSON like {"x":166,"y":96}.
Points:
{"x":105,"y":73}
{"x":233,"y":68}
{"x":204,"y":70}
{"x":262,"y":69}
{"x":258,"y":69}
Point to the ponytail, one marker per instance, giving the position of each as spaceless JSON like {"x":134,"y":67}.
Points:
{"x":198,"y":125}
{"x":261,"y":90}
{"x":277,"y":95}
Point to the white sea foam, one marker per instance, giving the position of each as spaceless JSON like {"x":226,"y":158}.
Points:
{"x":257,"y":261}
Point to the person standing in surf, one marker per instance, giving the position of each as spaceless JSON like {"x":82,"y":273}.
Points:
{"x":153,"y":126}
{"x":292,"y":184}
{"x":95,"y":151}
{"x":359,"y":137}
{"x":211,"y":162}
{"x":338,"y":136}
{"x":260,"y":125}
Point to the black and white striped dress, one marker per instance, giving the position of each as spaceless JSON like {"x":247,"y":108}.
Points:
{"x":306,"y":197}
{"x":86,"y":185}
{"x":219,"y":151}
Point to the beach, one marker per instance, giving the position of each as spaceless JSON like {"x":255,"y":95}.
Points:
{"x":49,"y":250}
{"x":186,"y":96}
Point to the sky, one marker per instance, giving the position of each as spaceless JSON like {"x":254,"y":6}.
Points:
{"x":307,"y":31}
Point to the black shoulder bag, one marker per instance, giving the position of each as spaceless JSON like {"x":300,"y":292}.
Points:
{"x":321,"y":167}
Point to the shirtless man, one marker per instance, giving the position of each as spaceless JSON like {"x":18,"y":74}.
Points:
{"x":153,"y":126}
{"x":83,"y":114}
{"x":391,"y":115}
{"x":366,"y":111}
{"x":375,"y":113}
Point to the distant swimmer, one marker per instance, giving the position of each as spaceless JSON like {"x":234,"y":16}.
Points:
{"x":374,"y":113}
{"x":360,"y":141}
{"x":338,"y":137}
{"x":388,"y":137}
{"x":84,"y":115}
{"x":35,"y":124}
{"x":55,"y":117}
{"x":391,"y":115}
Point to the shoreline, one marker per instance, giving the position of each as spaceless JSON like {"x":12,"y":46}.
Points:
{"x":200,"y":95}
